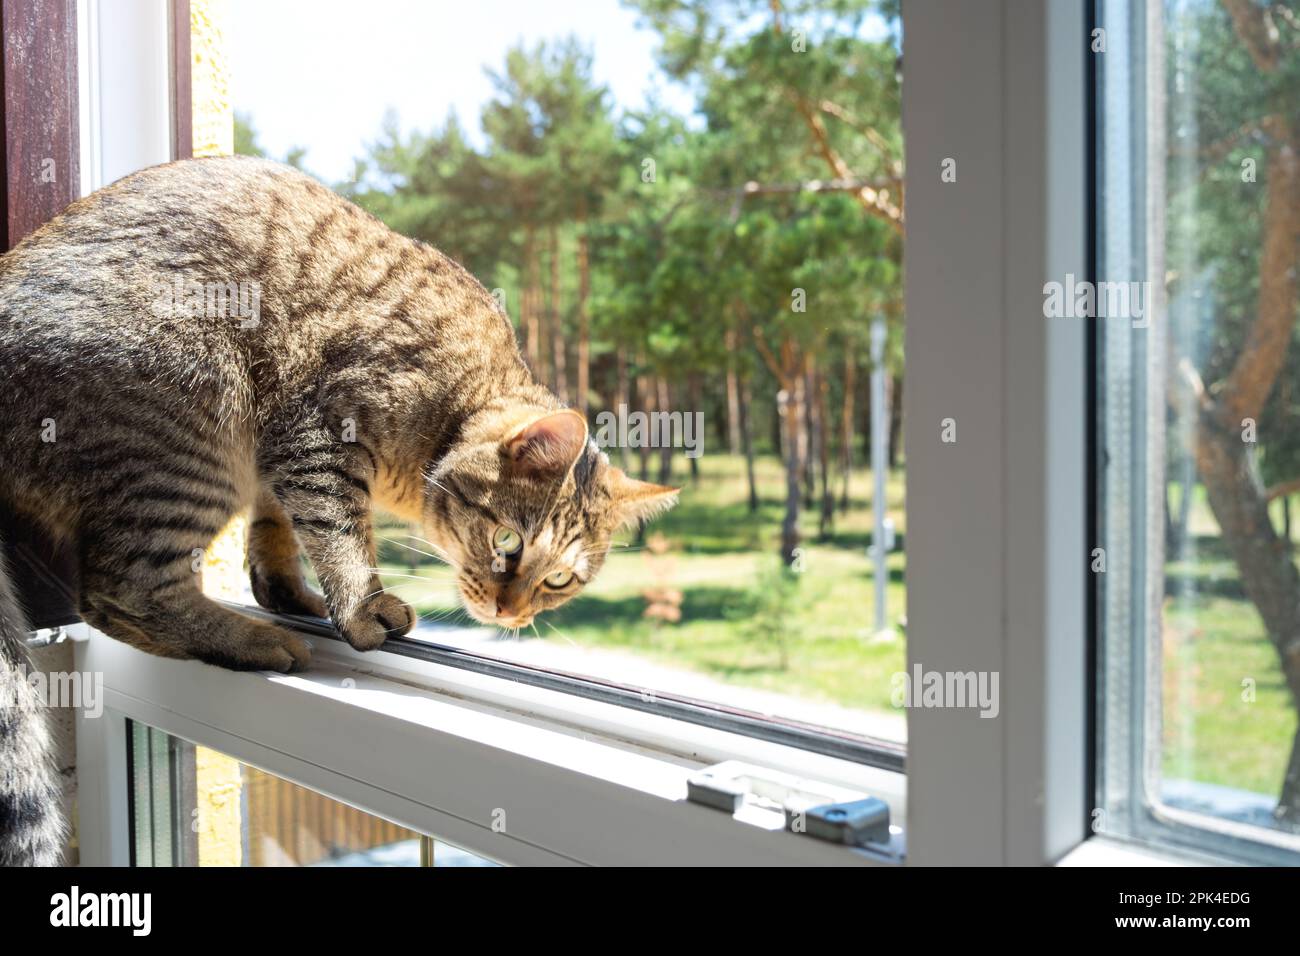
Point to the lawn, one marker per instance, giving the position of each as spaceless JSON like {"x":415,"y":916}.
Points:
{"x":1216,"y":658}
{"x":809,"y":634}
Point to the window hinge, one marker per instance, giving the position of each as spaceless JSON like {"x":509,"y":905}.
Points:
{"x":811,"y":807}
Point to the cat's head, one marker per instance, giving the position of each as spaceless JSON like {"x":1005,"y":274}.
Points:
{"x":527,"y":514}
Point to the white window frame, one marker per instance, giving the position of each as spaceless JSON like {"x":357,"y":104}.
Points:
{"x":124,"y":88}
{"x":442,"y":751}
{"x":996,"y":556}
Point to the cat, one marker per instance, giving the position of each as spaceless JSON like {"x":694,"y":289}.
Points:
{"x":222,"y":334}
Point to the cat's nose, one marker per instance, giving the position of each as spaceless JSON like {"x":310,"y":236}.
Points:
{"x":510,"y":617}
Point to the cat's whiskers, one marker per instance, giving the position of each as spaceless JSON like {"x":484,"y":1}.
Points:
{"x":415,"y":580}
{"x":433,"y":545}
{"x":388,"y":573}
{"x":621,"y":549}
{"x":439,"y":556}
{"x":563,"y":636}
{"x":441,"y":615}
{"x":441,"y":487}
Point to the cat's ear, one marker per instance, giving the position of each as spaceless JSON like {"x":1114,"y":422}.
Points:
{"x":547,"y":447}
{"x":636,"y":501}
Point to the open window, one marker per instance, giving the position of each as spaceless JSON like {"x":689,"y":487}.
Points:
{"x":698,"y":644}
{"x":508,"y":751}
{"x":702,"y":254}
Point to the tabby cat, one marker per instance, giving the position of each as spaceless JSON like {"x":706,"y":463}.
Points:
{"x":220,"y":334}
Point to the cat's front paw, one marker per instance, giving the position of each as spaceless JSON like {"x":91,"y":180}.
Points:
{"x":285,"y":595}
{"x":376,"y":619}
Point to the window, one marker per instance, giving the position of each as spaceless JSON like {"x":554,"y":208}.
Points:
{"x":193,"y":806}
{"x":1196,"y":573}
{"x":534,"y":743}
{"x":662,"y":251}
{"x":994,"y":558}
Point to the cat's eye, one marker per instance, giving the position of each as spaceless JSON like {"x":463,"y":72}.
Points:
{"x":507,"y":541}
{"x":558,"y":579}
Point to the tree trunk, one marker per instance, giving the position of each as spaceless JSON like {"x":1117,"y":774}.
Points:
{"x":811,"y":432}
{"x":1172,"y":545}
{"x":1286,"y":522}
{"x":559,"y":343}
{"x":529,"y":313}
{"x":747,"y":445}
{"x":846,"y":425}
{"x":794,"y":417}
{"x":697,"y":404}
{"x":584,"y":321}
{"x":666,"y":446}
{"x":826,"y":524}
{"x":895,"y":419}
{"x":733,"y":395}
{"x":646,"y":399}
{"x":791,"y":373}
{"x":866,"y":399}
{"x":1267,"y":572}
{"x":622,"y":401}
{"x":1224,"y":460}
{"x":1288,"y":810}
{"x":778,"y":431}
{"x":1185,"y":510}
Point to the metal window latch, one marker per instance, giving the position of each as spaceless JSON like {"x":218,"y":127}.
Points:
{"x":817,"y":809}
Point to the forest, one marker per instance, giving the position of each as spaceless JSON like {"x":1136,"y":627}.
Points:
{"x":727,"y":266}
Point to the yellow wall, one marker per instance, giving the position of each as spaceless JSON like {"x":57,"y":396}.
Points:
{"x":214,"y":122}
{"x":218,"y":781}
{"x":218,"y":821}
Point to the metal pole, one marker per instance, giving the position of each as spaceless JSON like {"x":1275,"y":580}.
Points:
{"x":879,"y":462}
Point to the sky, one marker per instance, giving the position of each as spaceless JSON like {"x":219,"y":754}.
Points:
{"x":322,"y":73}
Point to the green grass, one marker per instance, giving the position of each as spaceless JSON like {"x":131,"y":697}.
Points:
{"x":735,"y":630}
{"x":1212,"y":644}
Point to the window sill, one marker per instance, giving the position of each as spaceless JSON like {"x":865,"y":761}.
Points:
{"x":1104,"y":852}
{"x":517,"y":774}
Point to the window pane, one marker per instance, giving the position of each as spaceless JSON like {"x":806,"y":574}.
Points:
{"x":669,"y":240}
{"x":284,"y":824}
{"x":1200,"y":203}
{"x":192,"y":806}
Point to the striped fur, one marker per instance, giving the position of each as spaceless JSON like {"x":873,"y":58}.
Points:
{"x":378,"y":373}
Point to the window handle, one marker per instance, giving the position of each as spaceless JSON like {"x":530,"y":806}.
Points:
{"x":813,"y":808}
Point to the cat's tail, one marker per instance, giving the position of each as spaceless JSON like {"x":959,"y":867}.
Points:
{"x":31,"y":830}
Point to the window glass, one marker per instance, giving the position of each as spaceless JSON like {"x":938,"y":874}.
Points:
{"x":694,"y":225}
{"x":193,"y":806}
{"x":1199,"y":449}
